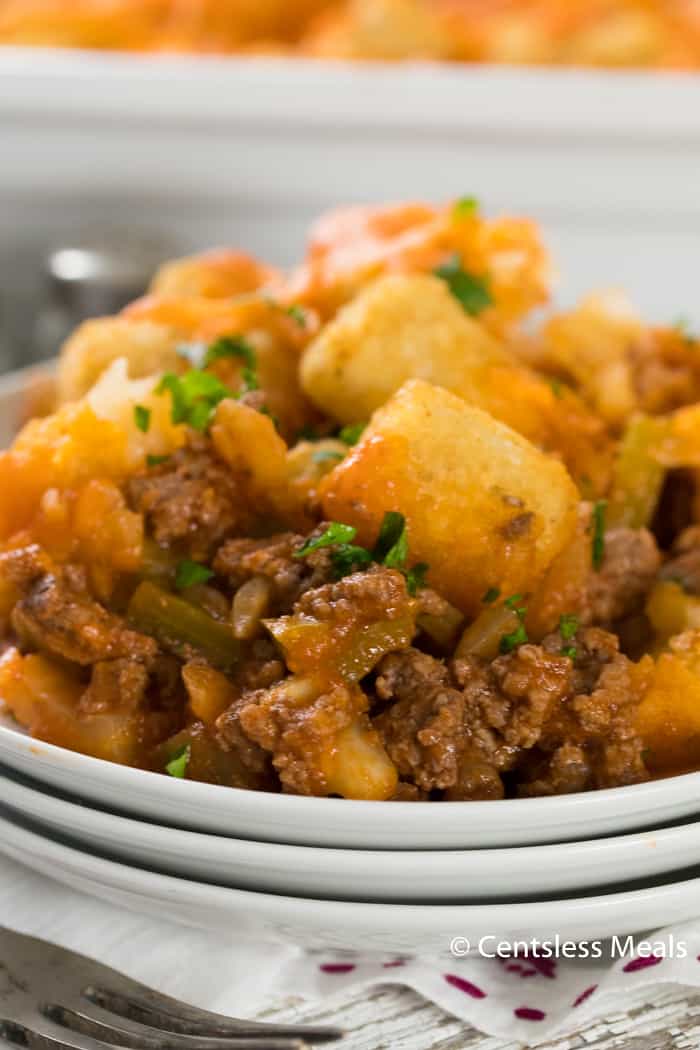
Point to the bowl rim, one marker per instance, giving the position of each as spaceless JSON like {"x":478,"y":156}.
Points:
{"x":307,"y":806}
{"x":663,"y":837}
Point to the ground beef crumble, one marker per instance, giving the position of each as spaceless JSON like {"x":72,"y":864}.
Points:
{"x":239,"y":560}
{"x":683,"y":566}
{"x":57,"y":615}
{"x":193,"y":501}
{"x":559,"y":724}
{"x":299,"y":727}
{"x":631,"y":561}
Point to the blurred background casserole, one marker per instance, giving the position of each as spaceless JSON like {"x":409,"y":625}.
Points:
{"x":612,"y":33}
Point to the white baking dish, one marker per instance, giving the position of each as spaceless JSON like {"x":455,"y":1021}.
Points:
{"x":249,"y":150}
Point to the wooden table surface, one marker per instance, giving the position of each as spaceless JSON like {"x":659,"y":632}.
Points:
{"x":394,"y":1018}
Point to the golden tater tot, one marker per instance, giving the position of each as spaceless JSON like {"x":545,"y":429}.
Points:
{"x":483,"y":506}
{"x":218,"y":274}
{"x":404,"y":327}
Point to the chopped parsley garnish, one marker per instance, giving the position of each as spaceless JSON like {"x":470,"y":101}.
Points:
{"x":391,"y":550}
{"x":142,"y":417}
{"x":298,"y":314}
{"x":352,"y":433}
{"x":514,"y":604}
{"x":391,"y":547}
{"x":195,"y":396}
{"x":235,"y":346}
{"x":511,"y":641}
{"x":471,"y":290}
{"x":598,"y":540}
{"x":201,"y":356}
{"x":230,"y":346}
{"x":347,"y":557}
{"x":336,"y":533}
{"x":569,"y":650}
{"x":492,"y":595}
{"x":155,"y":461}
{"x":325,"y":454}
{"x":415,"y":577}
{"x":177,"y":766}
{"x":464,"y":207}
{"x":188,"y":573}
{"x":557,"y":388}
{"x":568,"y":626}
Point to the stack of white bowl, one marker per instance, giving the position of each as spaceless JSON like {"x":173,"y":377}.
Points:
{"x":389,"y":876}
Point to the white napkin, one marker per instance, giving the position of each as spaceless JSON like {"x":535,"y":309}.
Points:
{"x":525,"y":999}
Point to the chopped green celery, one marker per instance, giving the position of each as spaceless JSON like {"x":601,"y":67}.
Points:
{"x":638,"y":476}
{"x":314,"y":646}
{"x":443,"y":629}
{"x":157,"y":564}
{"x":180,"y":627}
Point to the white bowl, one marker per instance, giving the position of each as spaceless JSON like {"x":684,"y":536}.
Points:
{"x":361,"y":875}
{"x":342,"y":823}
{"x":401,"y":928}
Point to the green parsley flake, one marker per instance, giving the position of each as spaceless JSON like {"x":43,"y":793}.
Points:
{"x":513,"y":603}
{"x":569,"y":650}
{"x":352,"y":433}
{"x":336,"y":533}
{"x":188,"y":573}
{"x":142,"y":417}
{"x":298,"y":314}
{"x":155,"y":461}
{"x":415,"y":577}
{"x":519,"y":636}
{"x":469,"y":289}
{"x":568,"y":626}
{"x":391,"y":547}
{"x":195,"y":396}
{"x":492,"y":595}
{"x":230,"y":346}
{"x":598,"y":540}
{"x":511,"y":641}
{"x":347,"y":557}
{"x":325,"y":454}
{"x":236,"y":346}
{"x":465,"y":207}
{"x":177,"y":766}
{"x":557,"y":388}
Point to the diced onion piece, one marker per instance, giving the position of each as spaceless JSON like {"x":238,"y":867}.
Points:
{"x":250,"y":604}
{"x":483,"y":637}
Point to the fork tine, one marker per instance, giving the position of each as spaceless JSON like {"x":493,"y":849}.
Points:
{"x":101,"y":1026}
{"x":161,"y":1012}
{"x":40,"y":1033}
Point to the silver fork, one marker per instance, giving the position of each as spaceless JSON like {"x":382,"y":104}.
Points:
{"x":55,"y":999}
